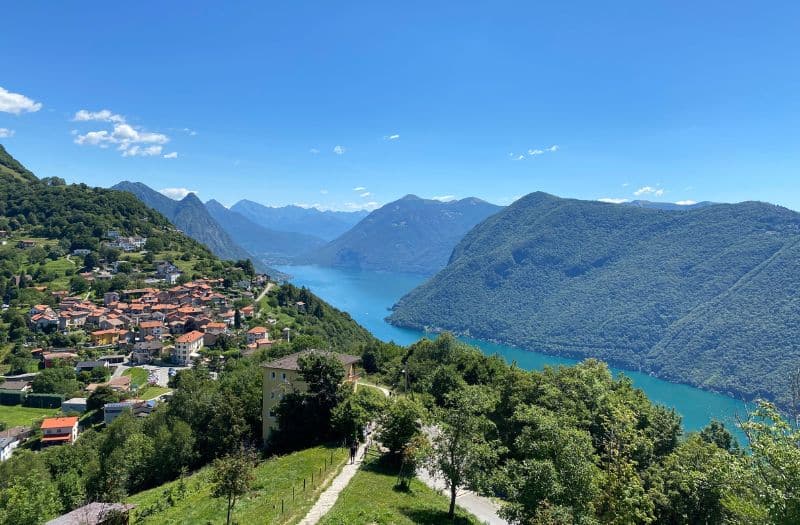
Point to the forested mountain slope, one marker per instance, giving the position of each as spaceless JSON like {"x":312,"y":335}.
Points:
{"x":268,"y":245}
{"x":191,"y":216}
{"x":409,"y":235}
{"x":707,"y":296}
{"x":326,"y":225}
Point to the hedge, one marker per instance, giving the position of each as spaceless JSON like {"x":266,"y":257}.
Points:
{"x":12,"y":397}
{"x":44,"y":400}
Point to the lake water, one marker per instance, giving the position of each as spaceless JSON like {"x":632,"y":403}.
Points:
{"x":368,"y":296}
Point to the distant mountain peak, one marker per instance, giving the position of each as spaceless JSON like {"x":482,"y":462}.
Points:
{"x":410,"y":234}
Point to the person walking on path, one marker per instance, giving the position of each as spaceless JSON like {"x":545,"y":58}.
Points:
{"x":353,"y":451}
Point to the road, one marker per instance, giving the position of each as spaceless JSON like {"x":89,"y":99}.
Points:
{"x":265,"y":291}
{"x":483,"y":508}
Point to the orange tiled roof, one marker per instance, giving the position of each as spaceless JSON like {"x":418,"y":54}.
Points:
{"x":191,"y":337}
{"x":59,"y":422}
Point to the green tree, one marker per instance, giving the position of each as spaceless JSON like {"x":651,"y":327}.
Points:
{"x":690,"y":484}
{"x":557,"y":466}
{"x":775,"y":461}
{"x":59,"y":380}
{"x":400,"y":424}
{"x":716,"y":433}
{"x":102,"y":395}
{"x":463,"y":451}
{"x":356,"y":409}
{"x":78,"y":285}
{"x":90,"y":261}
{"x":232,"y":476}
{"x":27,"y":493}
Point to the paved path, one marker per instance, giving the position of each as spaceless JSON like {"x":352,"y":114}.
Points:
{"x":328,"y":498}
{"x":264,"y":292}
{"x":481,"y":507}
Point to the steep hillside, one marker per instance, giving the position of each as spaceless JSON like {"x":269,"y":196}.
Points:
{"x":707,"y":296}
{"x":78,"y":216}
{"x":265,"y":244}
{"x":10,"y":166}
{"x":409,"y":235}
{"x":326,"y":225}
{"x":189,"y":215}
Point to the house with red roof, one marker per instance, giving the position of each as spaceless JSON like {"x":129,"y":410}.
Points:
{"x":59,"y":430}
{"x":256,"y":334}
{"x":187,"y":347}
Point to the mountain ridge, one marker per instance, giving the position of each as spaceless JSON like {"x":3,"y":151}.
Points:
{"x":591,"y":279}
{"x":191,"y":216}
{"x":266,"y":244}
{"x":326,"y":225}
{"x":411,"y":235}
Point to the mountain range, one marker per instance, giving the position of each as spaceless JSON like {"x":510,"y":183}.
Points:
{"x":189,"y":215}
{"x":326,"y":225}
{"x":411,"y":235}
{"x":708,"y":296}
{"x":269,"y":245}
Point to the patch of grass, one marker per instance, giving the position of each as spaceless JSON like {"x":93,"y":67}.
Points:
{"x":372,"y":497}
{"x":274,"y":479}
{"x":18,"y":415}
{"x":138,"y":375}
{"x":150,"y":392}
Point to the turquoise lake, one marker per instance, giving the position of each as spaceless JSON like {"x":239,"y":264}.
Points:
{"x":368,"y":296}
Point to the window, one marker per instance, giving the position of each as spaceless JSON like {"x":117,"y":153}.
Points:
{"x":273,"y":375}
{"x":283,"y":376}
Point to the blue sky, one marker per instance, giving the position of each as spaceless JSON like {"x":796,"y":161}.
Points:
{"x":303,"y":102}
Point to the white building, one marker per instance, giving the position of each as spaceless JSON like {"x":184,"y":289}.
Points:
{"x":187,"y":347}
{"x":7,"y":446}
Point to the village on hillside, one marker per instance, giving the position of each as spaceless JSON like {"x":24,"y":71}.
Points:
{"x":125,"y":347}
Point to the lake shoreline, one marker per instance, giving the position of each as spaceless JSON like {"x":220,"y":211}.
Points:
{"x":621,"y":366}
{"x":367,"y":296}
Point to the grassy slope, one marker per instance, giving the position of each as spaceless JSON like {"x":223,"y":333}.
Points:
{"x":371,"y":498}
{"x":19,"y":415}
{"x":274,"y":480}
{"x":138,"y":375}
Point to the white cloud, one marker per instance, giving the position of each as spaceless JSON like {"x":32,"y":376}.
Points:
{"x":191,"y":132}
{"x":16,"y":103}
{"x":94,"y":138}
{"x":686,"y":203}
{"x":649,"y":190}
{"x":359,"y":188}
{"x":314,"y":151}
{"x":131,"y":141}
{"x":444,"y":198}
{"x":176,"y":193}
{"x":534,"y":152}
{"x":391,"y":137}
{"x":626,"y":184}
{"x":365,"y":194}
{"x":104,"y":115}
{"x":323,"y":191}
{"x":612,"y":200}
{"x":339,"y":150}
{"x":6,"y":133}
{"x":355,"y":206}
{"x":141,"y":151}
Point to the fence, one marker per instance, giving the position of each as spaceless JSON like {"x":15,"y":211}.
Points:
{"x":305,"y":491}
